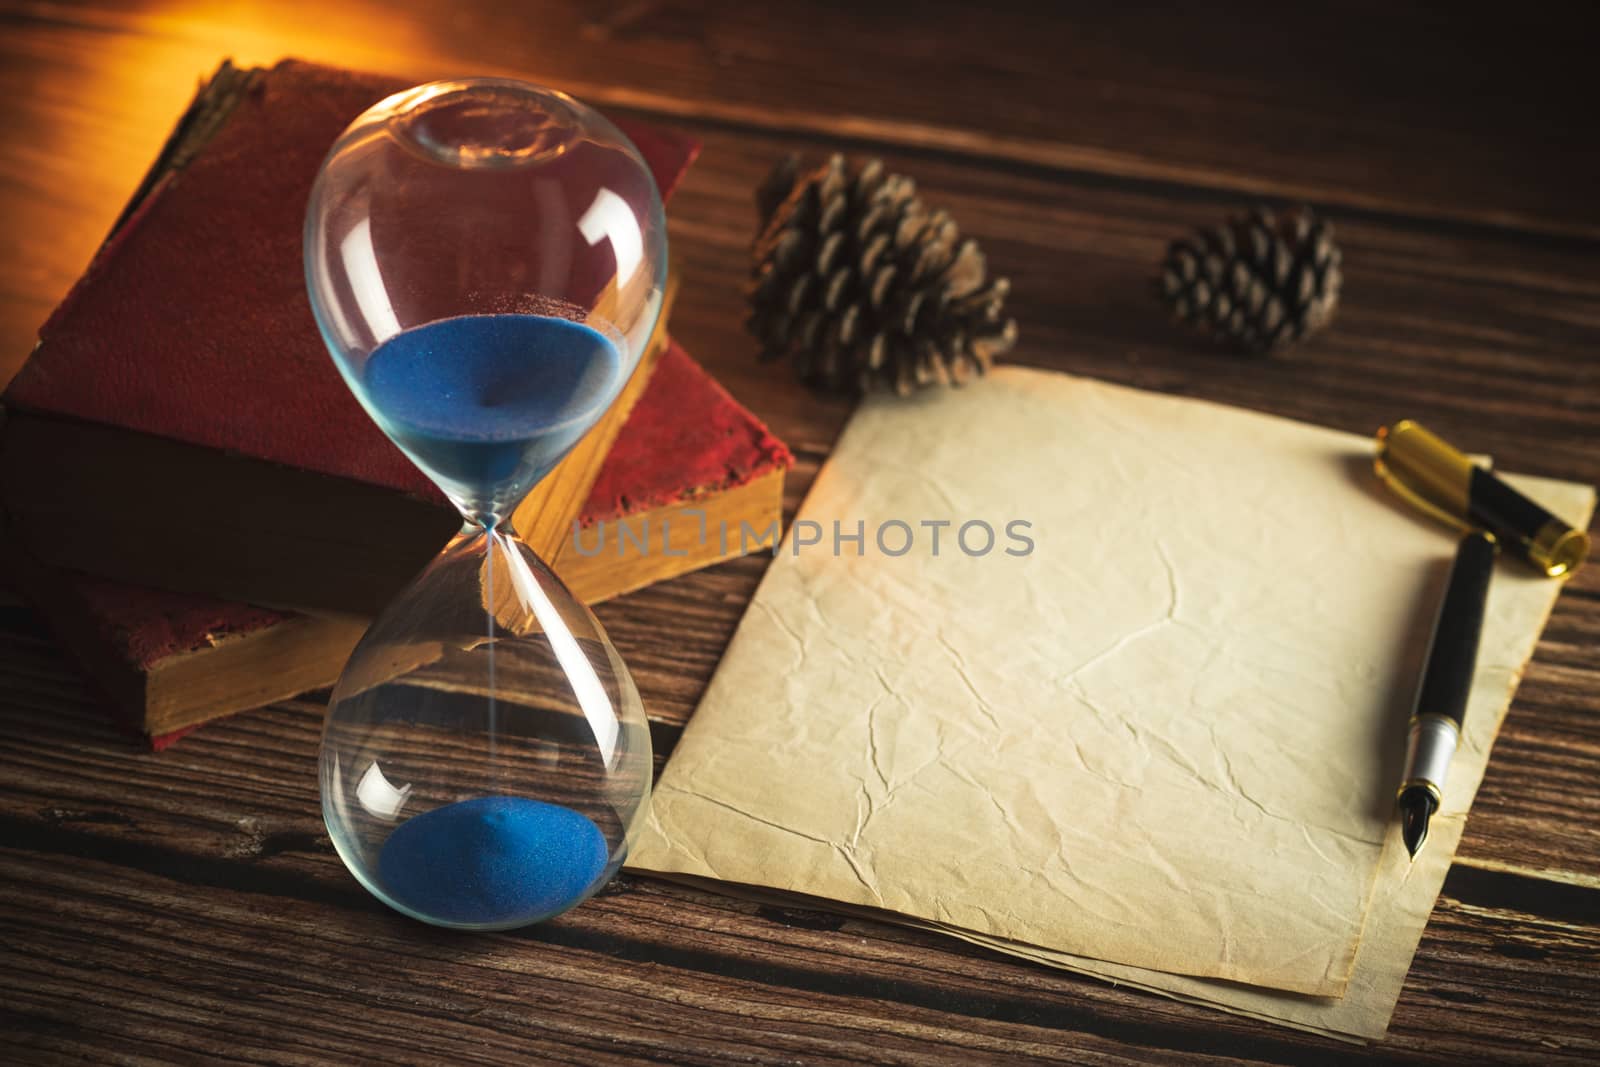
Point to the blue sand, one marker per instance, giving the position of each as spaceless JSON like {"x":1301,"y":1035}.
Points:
{"x":493,"y":860}
{"x":490,"y":402}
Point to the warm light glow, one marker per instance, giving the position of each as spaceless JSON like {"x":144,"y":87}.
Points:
{"x":128,"y":91}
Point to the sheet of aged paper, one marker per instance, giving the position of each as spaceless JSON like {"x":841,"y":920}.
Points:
{"x":1165,"y":738}
{"x":1518,"y":606}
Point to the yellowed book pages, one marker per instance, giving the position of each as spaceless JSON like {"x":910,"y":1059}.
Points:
{"x":649,"y":546}
{"x":1160,"y":745}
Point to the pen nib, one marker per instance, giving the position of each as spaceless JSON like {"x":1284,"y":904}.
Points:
{"x":1416,"y":806}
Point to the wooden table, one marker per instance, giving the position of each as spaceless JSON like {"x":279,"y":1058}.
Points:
{"x":189,"y":906}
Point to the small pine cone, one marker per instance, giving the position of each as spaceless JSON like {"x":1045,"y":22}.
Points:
{"x":1258,"y":283}
{"x":864,"y":288}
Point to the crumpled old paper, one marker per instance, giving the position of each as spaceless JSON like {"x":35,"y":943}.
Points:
{"x":1157,"y":740}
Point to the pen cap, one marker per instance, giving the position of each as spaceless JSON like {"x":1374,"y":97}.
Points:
{"x":1423,"y":469}
{"x":1442,"y":481}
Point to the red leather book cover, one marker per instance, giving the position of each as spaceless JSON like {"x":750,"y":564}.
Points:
{"x":192,"y":323}
{"x":686,"y":438}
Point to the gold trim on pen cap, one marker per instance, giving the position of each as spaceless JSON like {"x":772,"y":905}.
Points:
{"x":1558,"y":548}
{"x":1433,"y":476}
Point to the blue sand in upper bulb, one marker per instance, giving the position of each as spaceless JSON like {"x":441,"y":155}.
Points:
{"x":490,"y":401}
{"x":493,"y":860}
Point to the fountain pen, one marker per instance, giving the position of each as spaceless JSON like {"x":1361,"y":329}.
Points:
{"x":1435,"y":726}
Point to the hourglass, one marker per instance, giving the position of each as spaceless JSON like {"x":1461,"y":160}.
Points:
{"x":486,"y":261}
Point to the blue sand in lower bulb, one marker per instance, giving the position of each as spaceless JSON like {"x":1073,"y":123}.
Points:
{"x":488,"y":402}
{"x":493,"y":861}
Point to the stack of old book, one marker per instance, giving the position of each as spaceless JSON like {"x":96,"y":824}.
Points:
{"x":199,"y":507}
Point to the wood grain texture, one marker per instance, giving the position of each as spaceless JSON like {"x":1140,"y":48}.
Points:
{"x":188,"y":906}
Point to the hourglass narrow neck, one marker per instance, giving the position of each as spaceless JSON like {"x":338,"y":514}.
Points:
{"x":490,"y":523}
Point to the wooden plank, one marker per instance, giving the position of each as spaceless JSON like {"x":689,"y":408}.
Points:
{"x":166,"y":927}
{"x":1388,"y":122}
{"x":1370,"y":105}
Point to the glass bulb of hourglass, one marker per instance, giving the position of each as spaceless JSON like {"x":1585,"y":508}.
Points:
{"x":486,"y":754}
{"x":486,"y":261}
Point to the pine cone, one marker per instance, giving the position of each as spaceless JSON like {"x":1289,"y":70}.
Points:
{"x":1257,"y":283}
{"x":864,"y":288}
